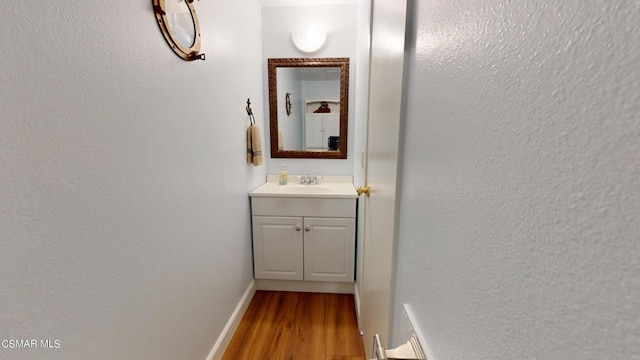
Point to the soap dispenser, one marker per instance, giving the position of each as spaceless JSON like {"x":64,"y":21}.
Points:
{"x":282,"y":179}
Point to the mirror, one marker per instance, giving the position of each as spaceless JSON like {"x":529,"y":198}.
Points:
{"x":178,"y":22}
{"x":181,"y":22}
{"x":308,"y":107}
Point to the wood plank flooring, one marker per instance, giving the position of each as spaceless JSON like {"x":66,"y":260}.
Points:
{"x":297,"y":326}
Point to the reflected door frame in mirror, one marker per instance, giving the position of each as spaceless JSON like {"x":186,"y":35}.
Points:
{"x":187,"y":53}
{"x":272,"y":65}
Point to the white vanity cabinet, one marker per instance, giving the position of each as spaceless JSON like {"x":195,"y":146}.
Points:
{"x":304,"y":237}
{"x":304,"y":248}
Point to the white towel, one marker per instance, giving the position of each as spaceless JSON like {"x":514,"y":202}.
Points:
{"x":254,"y":146}
{"x":280,"y":141}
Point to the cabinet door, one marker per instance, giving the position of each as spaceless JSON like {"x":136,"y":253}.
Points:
{"x":314,"y":131}
{"x":278,"y":247}
{"x":331,"y":123}
{"x":329,"y":249}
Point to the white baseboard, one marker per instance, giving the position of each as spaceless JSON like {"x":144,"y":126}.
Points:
{"x":411,"y":327}
{"x":230,"y":328}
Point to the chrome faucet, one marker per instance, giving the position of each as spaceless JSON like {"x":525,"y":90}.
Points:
{"x":308,"y":179}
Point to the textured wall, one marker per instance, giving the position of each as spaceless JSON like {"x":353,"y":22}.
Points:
{"x":124,"y":218}
{"x":520,"y":217}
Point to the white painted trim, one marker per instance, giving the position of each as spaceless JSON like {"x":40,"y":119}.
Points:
{"x":356,"y":300}
{"x":230,"y":328}
{"x":305,"y":286}
{"x":422,"y":340}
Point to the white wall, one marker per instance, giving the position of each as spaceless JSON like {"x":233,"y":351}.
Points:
{"x":124,"y":217}
{"x":278,"y":22}
{"x":317,"y":89}
{"x":290,"y":126}
{"x":519,"y":216}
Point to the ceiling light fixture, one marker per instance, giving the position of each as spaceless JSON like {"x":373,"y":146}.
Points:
{"x":309,"y":39}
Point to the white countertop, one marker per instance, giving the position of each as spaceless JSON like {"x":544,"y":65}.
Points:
{"x":329,"y":187}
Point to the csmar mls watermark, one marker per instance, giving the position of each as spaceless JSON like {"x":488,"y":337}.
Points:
{"x":30,"y":344}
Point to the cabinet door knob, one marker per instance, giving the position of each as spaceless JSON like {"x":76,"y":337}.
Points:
{"x":307,"y":228}
{"x":298,"y":228}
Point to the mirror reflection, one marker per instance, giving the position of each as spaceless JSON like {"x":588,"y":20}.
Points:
{"x":308,"y":107}
{"x":181,"y":22}
{"x":314,"y":98}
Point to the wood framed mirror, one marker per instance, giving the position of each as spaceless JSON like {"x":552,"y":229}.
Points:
{"x":313,"y":124}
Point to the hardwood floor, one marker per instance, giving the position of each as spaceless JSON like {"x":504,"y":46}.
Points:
{"x":297,"y":326}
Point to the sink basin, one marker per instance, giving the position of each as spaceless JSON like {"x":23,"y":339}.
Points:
{"x":328,"y":189}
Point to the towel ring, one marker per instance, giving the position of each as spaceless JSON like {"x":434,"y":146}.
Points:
{"x":252,"y":120}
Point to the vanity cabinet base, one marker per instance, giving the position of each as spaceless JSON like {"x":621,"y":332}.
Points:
{"x":306,"y":286}
{"x":304,"y":244}
{"x":304,"y":248}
